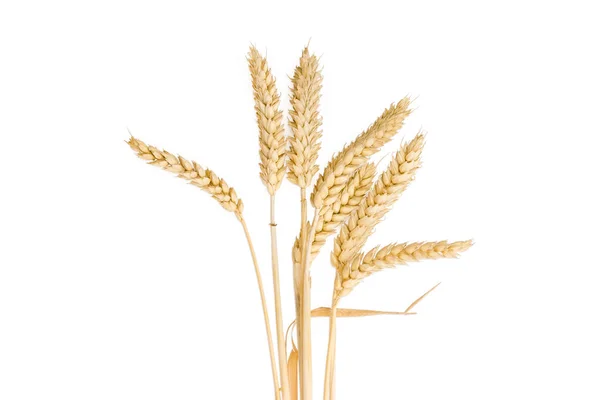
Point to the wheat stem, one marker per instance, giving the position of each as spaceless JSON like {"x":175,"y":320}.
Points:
{"x":297,"y":249}
{"x":305,"y":328}
{"x":298,"y":281}
{"x":331,"y":347}
{"x":263,"y":300}
{"x":278,"y":311}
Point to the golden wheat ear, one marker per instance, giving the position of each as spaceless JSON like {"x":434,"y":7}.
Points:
{"x":198,"y":176}
{"x":392,"y":255}
{"x":304,"y":121}
{"x":354,"y":155}
{"x":387,"y":189}
{"x":269,"y":120}
{"x":333,"y":215}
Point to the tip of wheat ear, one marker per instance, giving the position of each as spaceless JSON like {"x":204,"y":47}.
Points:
{"x":354,"y":155}
{"x":198,"y":176}
{"x":269,"y":120}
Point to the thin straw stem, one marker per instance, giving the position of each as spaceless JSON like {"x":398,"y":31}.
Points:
{"x":298,"y":287}
{"x":263,"y":300}
{"x":305,"y":329}
{"x":285,"y":385}
{"x":298,"y":269}
{"x":328,"y":388}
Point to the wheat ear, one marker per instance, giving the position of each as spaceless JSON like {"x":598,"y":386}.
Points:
{"x":392,"y":255}
{"x":198,"y":176}
{"x":304,"y":121}
{"x":269,"y":119}
{"x":388,"y":187}
{"x":333,"y":215}
{"x":336,"y":213}
{"x":341,"y":167}
{"x":272,"y":145}
{"x":210,"y":182}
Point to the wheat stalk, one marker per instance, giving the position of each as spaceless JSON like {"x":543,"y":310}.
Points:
{"x":305,"y":123}
{"x":210,"y":182}
{"x":389,"y":186}
{"x":272,"y":169}
{"x":377,"y":259}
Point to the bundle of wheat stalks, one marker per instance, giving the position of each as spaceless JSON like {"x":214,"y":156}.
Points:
{"x":348,"y":198}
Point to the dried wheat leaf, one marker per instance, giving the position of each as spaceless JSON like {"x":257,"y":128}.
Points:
{"x":352,"y":312}
{"x":417,"y":301}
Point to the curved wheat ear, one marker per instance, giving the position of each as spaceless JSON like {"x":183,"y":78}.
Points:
{"x":389,"y":186}
{"x":341,"y":167}
{"x":304,"y":121}
{"x":390,"y":256}
{"x":269,"y":119}
{"x":198,"y":176}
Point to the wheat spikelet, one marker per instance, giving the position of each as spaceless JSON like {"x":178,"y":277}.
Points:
{"x":389,"y":186}
{"x":269,"y":119}
{"x":391,"y":255}
{"x":304,"y":121}
{"x":354,"y":155}
{"x":198,"y":176}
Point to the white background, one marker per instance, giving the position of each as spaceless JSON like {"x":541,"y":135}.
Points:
{"x":118,"y":281}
